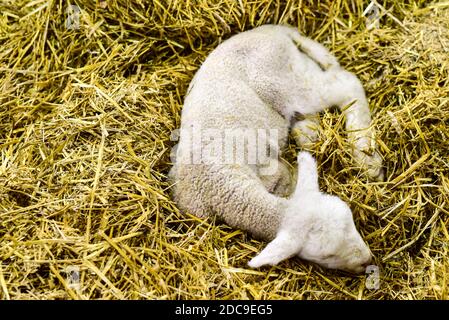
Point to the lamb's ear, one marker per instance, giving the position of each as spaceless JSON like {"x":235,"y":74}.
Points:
{"x":281,"y":248}
{"x":307,"y":173}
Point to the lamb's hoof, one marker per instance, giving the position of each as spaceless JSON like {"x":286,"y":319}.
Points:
{"x":306,"y":132}
{"x":372,"y":165}
{"x":377,"y":175}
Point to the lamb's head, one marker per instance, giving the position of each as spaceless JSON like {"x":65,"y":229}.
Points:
{"x":331,"y":238}
{"x":316,"y":227}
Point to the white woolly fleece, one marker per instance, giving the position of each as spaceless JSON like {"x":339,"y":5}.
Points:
{"x":260,"y":79}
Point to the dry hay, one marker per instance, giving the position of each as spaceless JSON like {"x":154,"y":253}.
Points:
{"x":85,"y":121}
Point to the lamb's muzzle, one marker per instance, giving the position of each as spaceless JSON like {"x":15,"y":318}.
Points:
{"x":255,"y":82}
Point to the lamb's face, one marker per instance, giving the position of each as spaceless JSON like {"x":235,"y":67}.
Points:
{"x":332,"y":239}
{"x":317,"y":227}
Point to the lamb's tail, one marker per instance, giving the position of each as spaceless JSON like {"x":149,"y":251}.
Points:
{"x":316,"y":51}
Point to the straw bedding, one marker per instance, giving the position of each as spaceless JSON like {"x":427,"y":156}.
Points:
{"x":86,"y":115}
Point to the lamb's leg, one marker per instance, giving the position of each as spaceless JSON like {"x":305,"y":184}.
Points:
{"x":314,"y":50}
{"x":337,"y":87}
{"x":343,"y":89}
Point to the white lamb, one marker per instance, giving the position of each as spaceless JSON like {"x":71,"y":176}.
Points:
{"x":260,"y":79}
